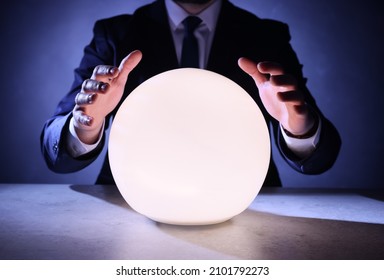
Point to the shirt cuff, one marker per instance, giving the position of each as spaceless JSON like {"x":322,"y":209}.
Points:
{"x":75,"y":146}
{"x":302,"y":147}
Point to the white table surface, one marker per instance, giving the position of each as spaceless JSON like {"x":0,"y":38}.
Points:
{"x":94,"y":222}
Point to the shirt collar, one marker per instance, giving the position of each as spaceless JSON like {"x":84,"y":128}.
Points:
{"x":177,"y":14}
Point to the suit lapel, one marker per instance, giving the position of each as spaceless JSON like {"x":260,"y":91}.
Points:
{"x":148,"y":31}
{"x":223,"y":50}
{"x":157,"y":41}
{"x":229,"y":44}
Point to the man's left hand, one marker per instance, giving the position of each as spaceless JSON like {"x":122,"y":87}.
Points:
{"x":280,"y":95}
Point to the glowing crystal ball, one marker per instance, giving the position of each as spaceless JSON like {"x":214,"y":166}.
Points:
{"x":189,"y":147}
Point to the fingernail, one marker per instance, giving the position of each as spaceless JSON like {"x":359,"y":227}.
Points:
{"x":86,"y":120}
{"x":91,"y":98}
{"x":113,"y":70}
{"x":103,"y":86}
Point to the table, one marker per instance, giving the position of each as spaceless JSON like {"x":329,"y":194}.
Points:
{"x":76,"y":222}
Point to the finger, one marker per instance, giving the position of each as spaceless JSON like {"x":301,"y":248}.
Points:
{"x":301,"y":109}
{"x":286,"y":81}
{"x":127,"y":65}
{"x":104,"y":72}
{"x":80,"y":117}
{"x":90,"y":85}
{"x":83,"y":98}
{"x":293,"y":97}
{"x":271,"y":68}
{"x":249,"y":67}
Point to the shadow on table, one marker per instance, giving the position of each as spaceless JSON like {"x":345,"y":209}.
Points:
{"x":259,"y":235}
{"x":375,"y":194}
{"x":108,"y":193}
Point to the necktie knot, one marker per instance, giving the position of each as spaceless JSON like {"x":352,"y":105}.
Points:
{"x":191,"y":23}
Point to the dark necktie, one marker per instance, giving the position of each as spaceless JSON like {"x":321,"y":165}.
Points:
{"x":190,"y":50}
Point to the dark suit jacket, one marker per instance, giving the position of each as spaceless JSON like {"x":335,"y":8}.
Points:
{"x":238,"y":34}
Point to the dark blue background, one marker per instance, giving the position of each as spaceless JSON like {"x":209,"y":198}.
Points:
{"x":339,"y":42}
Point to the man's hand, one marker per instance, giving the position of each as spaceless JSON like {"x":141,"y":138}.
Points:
{"x":280,"y":95}
{"x":100,"y":95}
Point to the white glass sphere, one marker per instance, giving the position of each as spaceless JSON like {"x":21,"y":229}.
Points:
{"x":189,"y":147}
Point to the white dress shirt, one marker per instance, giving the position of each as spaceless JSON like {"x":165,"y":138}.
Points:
{"x":204,"y":34}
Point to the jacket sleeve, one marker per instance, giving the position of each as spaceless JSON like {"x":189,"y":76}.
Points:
{"x":54,"y":147}
{"x":54,"y":133}
{"x":323,"y":157}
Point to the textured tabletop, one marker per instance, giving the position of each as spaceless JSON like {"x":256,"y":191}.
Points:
{"x":94,"y":222}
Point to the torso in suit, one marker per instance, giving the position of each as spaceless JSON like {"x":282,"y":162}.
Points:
{"x":238,"y":34}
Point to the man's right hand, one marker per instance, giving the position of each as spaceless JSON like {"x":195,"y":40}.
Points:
{"x":100,"y":95}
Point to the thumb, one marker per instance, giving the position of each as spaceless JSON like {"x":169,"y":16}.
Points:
{"x":249,"y":67}
{"x":127,"y":65}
